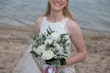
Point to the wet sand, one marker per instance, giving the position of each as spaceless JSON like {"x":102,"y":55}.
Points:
{"x":14,"y":40}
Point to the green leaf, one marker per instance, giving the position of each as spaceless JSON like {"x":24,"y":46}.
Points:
{"x":50,"y":29}
{"x":33,"y":52}
{"x":62,"y":35}
{"x":63,"y":61}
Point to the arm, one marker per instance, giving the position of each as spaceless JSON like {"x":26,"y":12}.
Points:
{"x":37,"y":29}
{"x":76,"y":37}
{"x":37,"y":24}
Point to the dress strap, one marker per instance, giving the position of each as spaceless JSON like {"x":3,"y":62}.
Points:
{"x":44,"y":19}
{"x":65,"y":21}
{"x":65,"y":28}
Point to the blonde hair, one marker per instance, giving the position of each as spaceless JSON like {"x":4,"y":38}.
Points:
{"x":66,"y":11}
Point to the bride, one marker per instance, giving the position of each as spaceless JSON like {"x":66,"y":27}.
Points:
{"x":59,"y":19}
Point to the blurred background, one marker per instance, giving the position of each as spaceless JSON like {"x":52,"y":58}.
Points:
{"x":17,"y":19}
{"x":90,"y":15}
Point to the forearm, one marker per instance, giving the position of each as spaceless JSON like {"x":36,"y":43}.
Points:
{"x":76,"y":58}
{"x":34,"y":58}
{"x":39,"y":65}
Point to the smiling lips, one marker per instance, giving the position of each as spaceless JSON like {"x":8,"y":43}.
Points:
{"x":57,"y":4}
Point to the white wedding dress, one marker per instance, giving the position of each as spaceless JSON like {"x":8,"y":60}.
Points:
{"x":27,"y":64}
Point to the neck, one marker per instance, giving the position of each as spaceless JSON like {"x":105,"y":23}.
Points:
{"x":56,"y":16}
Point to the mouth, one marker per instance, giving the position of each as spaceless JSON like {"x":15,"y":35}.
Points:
{"x":57,"y":4}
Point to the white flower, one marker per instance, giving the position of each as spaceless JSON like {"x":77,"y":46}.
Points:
{"x":60,"y":48}
{"x":57,"y":46}
{"x":40,"y":49}
{"x":34,"y":49}
{"x":49,"y":41}
{"x":55,"y":35}
{"x":47,"y":55}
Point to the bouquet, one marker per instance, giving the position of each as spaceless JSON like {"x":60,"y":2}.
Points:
{"x":50,"y":48}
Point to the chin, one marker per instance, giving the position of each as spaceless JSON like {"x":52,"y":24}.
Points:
{"x":57,"y":8}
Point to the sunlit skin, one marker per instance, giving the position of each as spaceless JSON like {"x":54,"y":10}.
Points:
{"x":57,"y":5}
{"x":73,"y":31}
{"x":56,"y":10}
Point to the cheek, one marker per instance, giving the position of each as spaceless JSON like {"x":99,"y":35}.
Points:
{"x":63,"y":6}
{"x":50,"y":1}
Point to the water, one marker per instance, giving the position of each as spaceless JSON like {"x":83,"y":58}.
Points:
{"x":91,"y":15}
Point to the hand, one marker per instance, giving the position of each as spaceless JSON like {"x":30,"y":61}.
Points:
{"x":41,"y":68}
{"x":39,"y":65}
{"x":61,"y":67}
{"x":56,"y":71}
{"x":46,"y":70}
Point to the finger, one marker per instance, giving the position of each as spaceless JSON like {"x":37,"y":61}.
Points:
{"x":46,"y":70}
{"x":56,"y":71}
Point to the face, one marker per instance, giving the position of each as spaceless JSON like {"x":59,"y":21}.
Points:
{"x":58,"y":5}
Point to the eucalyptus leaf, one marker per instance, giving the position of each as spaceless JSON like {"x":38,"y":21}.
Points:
{"x":33,"y":52}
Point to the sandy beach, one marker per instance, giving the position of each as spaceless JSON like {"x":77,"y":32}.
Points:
{"x":14,"y":40}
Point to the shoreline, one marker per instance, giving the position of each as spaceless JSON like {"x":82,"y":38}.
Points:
{"x":14,"y":40}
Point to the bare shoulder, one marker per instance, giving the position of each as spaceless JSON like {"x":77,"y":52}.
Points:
{"x":72,"y":24}
{"x":38,"y":23}
{"x":39,"y":20}
{"x":73,"y":27}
